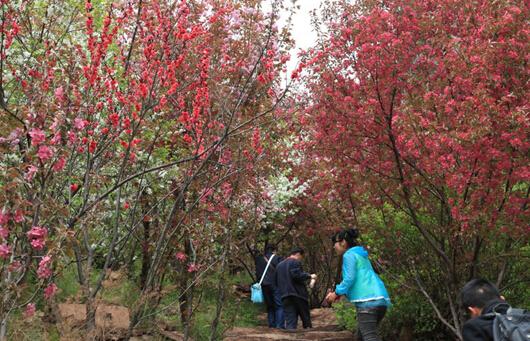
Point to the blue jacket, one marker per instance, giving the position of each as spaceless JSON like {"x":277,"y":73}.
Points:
{"x":360,"y":283}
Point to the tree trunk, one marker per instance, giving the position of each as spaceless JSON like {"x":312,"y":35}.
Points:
{"x":221,"y":294}
{"x":90,"y":318}
{"x":3,"y":329}
{"x":146,"y":257}
{"x":184,"y":303}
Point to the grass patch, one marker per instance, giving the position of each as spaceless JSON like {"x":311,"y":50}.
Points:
{"x":31,"y":329}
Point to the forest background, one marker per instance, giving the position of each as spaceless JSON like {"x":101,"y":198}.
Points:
{"x":159,"y":140}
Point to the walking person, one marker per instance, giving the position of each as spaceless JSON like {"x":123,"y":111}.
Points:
{"x":360,"y":284}
{"x":291,"y":280}
{"x":271,"y":293}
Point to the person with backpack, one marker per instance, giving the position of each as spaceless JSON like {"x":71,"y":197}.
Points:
{"x":492,"y":318}
{"x":291,"y":280}
{"x":360,"y":284}
{"x":271,"y":293}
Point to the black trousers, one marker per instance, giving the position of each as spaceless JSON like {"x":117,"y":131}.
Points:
{"x":368,"y":320}
{"x":293,"y":307}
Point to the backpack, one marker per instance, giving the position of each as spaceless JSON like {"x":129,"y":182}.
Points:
{"x":512,"y":326}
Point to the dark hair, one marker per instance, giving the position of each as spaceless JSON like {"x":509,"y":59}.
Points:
{"x":350,"y":236}
{"x":478,"y":292}
{"x":296,"y":250}
{"x":269,"y":248}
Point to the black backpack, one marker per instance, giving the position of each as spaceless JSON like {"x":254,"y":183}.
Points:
{"x":514,"y":325}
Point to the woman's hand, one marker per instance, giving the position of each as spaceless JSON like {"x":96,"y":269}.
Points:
{"x":331,"y":297}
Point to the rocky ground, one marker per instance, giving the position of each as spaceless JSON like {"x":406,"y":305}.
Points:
{"x":112,"y":323}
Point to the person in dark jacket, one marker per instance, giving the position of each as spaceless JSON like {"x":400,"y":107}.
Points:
{"x":271,"y":294}
{"x":291,"y":280}
{"x":481,"y":298}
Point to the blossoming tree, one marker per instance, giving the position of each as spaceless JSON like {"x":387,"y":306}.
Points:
{"x":423,"y":106}
{"x":119,"y":117}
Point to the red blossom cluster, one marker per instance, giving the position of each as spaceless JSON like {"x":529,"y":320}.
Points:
{"x":426,"y":102}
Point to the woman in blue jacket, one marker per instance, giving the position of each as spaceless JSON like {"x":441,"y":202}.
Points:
{"x":360,"y":284}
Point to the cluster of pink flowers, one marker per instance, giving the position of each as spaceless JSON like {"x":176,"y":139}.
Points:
{"x":37,"y":236}
{"x":192,"y":267}
{"x":5,"y":251}
{"x":4,"y":217}
{"x":37,"y":136}
{"x":44,"y":270}
{"x":181,"y":256}
{"x":50,"y":291}
{"x":44,"y":153}
{"x":59,"y":165}
{"x":30,"y":310}
{"x":4,"y":233}
{"x":30,"y":173}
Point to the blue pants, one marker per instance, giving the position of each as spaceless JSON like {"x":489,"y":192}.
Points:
{"x":273,"y":301}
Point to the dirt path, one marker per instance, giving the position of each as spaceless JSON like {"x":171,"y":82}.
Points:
{"x":325,"y":328}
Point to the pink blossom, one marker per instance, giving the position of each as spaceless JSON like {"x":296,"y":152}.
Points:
{"x":59,"y":165}
{"x":37,"y":232}
{"x":72,"y":137}
{"x":227,"y":189}
{"x":59,"y":93}
{"x":50,"y":291}
{"x":14,"y":136}
{"x":37,"y":136}
{"x":4,"y":233}
{"x":55,"y":124}
{"x":5,"y":251}
{"x":56,"y":139}
{"x":30,"y":173}
{"x":14,"y":266}
{"x":44,"y":153}
{"x":192,"y":267}
{"x":37,"y":235}
{"x":44,"y":270}
{"x":19,"y":216}
{"x":181,"y":256}
{"x":30,"y":310}
{"x":38,"y":244}
{"x":206,"y":194}
{"x":4,"y":217}
{"x":80,"y":124}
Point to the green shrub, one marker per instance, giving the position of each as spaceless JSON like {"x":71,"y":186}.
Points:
{"x":346,"y":315}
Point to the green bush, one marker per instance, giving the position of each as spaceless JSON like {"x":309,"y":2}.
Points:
{"x":346,"y":315}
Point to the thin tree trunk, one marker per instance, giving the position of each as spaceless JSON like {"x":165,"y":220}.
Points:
{"x":220,"y":302}
{"x":90,"y":323}
{"x":3,"y":328}
{"x":189,"y":313}
{"x":221,"y":294}
{"x":146,"y":257}
{"x":186,"y":299}
{"x":90,"y":317}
